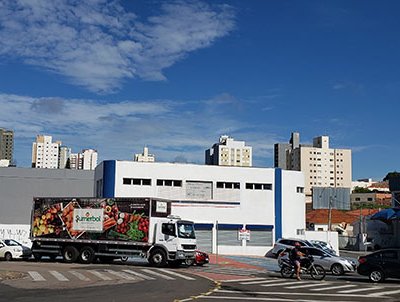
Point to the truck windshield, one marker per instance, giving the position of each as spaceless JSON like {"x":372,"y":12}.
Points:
{"x":186,"y":230}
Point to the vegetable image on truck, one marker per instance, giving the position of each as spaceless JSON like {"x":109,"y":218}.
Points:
{"x":104,"y":229}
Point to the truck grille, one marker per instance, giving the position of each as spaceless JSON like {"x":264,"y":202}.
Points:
{"x":189,"y":246}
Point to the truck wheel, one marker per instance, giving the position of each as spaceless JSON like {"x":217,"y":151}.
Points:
{"x":8,"y":257}
{"x":158,"y":258}
{"x":189,"y":262}
{"x":86,"y":255}
{"x":70,"y":254}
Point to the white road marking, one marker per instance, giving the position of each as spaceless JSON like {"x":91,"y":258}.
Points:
{"x":79,"y":275}
{"x":245,"y":280}
{"x":242,"y":298}
{"x":100,"y":275}
{"x":261,"y":281}
{"x":357,"y":290}
{"x":305,"y":285}
{"x":385,"y":293}
{"x":333,"y":287}
{"x":302,"y":294}
{"x":139,"y":274}
{"x":36,"y":276}
{"x":58,"y":276}
{"x":157,"y":274}
{"x":176,"y":274}
{"x":279,"y":284}
{"x":120,"y":275}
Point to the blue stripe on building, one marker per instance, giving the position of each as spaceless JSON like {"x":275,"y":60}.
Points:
{"x":278,"y":203}
{"x":109,"y":178}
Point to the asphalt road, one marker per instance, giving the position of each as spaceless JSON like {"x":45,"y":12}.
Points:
{"x":236,"y":279}
{"x":56,"y":281}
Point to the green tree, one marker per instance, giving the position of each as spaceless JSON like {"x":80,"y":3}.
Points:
{"x":361,"y":190}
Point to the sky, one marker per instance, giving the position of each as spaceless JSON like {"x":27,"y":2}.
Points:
{"x":174,"y":76}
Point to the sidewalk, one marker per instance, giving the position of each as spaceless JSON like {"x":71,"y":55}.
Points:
{"x":224,"y":262}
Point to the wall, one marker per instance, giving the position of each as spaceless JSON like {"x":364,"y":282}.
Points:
{"x":19,"y":232}
{"x":227,"y":206}
{"x":18,"y":186}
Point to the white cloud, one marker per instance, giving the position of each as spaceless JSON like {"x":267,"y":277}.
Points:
{"x":97,"y":44}
{"x":118,"y":129}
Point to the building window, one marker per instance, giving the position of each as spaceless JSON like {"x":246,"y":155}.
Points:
{"x":258,"y":186}
{"x":300,"y":190}
{"x":169,"y":183}
{"x":228,"y":185}
{"x":136,"y":181}
{"x":127,"y":181}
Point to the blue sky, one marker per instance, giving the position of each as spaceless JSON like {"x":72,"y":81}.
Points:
{"x":175,"y":75}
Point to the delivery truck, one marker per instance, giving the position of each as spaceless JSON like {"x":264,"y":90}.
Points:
{"x":104,"y":229}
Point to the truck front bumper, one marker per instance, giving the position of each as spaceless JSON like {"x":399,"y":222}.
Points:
{"x":183,"y":255}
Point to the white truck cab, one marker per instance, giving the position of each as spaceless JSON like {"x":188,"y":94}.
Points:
{"x":174,"y":241}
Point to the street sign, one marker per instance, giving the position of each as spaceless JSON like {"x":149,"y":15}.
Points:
{"x":244,"y":234}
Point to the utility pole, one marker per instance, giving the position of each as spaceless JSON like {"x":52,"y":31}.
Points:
{"x":330,"y":214}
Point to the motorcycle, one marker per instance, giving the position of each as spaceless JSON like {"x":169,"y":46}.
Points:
{"x":307,"y":266}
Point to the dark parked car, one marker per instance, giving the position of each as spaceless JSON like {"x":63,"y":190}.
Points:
{"x":380,"y":265}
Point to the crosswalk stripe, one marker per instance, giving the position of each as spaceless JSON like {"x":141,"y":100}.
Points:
{"x":278,"y":284}
{"x":80,"y":276}
{"x":157,"y":274}
{"x":349,"y":291}
{"x":176,"y":274}
{"x":332,"y":287}
{"x":385,"y":293}
{"x":261,"y":281}
{"x":228,"y":272}
{"x":138,"y":274}
{"x":100,"y":275}
{"x":305,"y":285}
{"x":36,"y":276}
{"x":59,"y":276}
{"x":120,"y":275}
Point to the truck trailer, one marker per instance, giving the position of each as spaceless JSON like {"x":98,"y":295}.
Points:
{"x":104,"y":229}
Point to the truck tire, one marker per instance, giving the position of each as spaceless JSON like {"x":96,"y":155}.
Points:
{"x":37,"y":256}
{"x":86,"y":255}
{"x":70,"y":254}
{"x":158,"y":258}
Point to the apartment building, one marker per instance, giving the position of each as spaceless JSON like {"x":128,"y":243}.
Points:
{"x":145,"y":156}
{"x":45,"y":153}
{"x":85,"y":160}
{"x":228,"y":152}
{"x":322,"y":166}
{"x":63,"y":157}
{"x":6,"y":145}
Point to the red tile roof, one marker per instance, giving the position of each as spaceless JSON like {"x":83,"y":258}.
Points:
{"x":320,"y":216}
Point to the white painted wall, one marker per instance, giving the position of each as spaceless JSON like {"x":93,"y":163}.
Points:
{"x":19,"y":232}
{"x":239,"y":206}
{"x":293,"y":204}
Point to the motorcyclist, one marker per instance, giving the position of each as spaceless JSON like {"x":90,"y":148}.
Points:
{"x":295,"y":256}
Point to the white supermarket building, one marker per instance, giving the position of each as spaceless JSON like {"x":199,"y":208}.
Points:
{"x":236,"y":210}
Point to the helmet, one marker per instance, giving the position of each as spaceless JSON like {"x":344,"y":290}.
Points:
{"x":297,"y":244}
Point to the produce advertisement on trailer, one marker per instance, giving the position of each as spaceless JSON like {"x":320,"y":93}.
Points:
{"x":94,"y":218}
